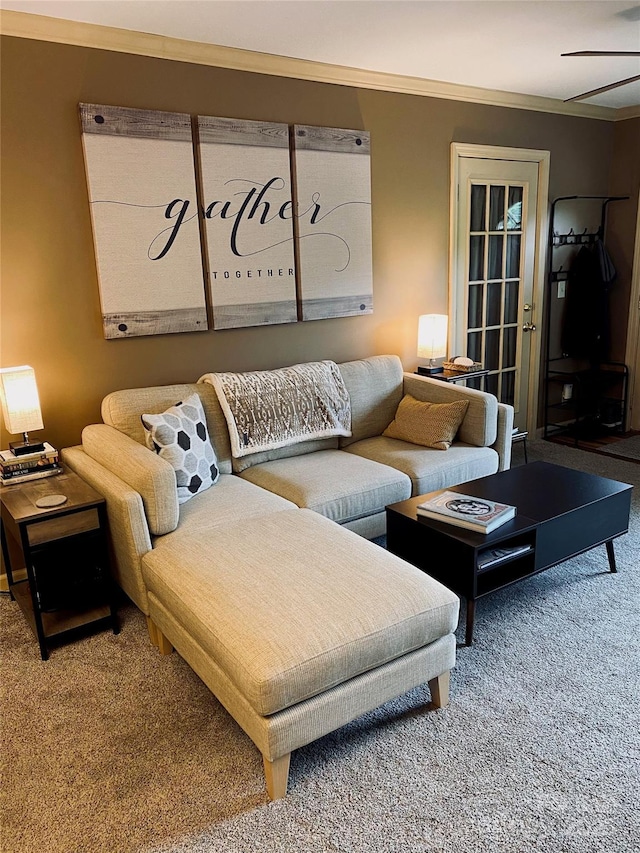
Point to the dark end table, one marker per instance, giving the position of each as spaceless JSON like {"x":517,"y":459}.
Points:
{"x":57,"y":558}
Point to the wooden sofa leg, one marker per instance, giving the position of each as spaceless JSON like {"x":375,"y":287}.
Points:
{"x":153,"y":631}
{"x":164,"y":646}
{"x":439,"y":688}
{"x":276,"y":774}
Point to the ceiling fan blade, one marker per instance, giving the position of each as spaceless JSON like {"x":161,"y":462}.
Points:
{"x":603,"y":53}
{"x":603,"y":89}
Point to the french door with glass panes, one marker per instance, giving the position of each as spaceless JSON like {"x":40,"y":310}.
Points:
{"x":496,"y":244}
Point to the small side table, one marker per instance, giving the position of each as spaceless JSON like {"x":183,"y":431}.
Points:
{"x":64,"y":552}
{"x":521,"y":435}
{"x":458,"y":375}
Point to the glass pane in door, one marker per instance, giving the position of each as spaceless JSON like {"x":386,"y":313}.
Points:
{"x":494,"y":303}
{"x":496,"y":209}
{"x":509,"y":347}
{"x":513,"y":256}
{"x":512,"y":289}
{"x":476,"y":304}
{"x":494,"y":286}
{"x":474,"y":346}
{"x":496,"y":242}
{"x":492,"y":349}
{"x":508,"y":387}
{"x":514,"y":210}
{"x":478,"y":206}
{"x":476,"y":257}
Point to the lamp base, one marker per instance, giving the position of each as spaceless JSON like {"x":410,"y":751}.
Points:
{"x":21,"y":448}
{"x":428,"y":371}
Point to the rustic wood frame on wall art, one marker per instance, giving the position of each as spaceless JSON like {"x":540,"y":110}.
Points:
{"x":248,"y":221}
{"x":333,"y":198}
{"x":163,"y":223}
{"x":142,"y":188}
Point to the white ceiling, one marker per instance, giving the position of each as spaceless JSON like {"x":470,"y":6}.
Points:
{"x":506,"y":45}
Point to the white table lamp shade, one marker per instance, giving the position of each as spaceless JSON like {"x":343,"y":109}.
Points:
{"x":432,"y":336}
{"x":20,"y":401}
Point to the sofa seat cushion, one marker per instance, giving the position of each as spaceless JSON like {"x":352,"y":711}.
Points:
{"x":292,"y":605}
{"x":221,"y":507}
{"x":375,"y":389}
{"x":429,"y":469}
{"x":341,"y":486}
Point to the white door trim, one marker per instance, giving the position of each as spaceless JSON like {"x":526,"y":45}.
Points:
{"x":632,"y":356}
{"x":492,"y":152}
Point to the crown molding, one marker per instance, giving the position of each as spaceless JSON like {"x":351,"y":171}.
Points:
{"x":43,"y":28}
{"x":627,"y":112}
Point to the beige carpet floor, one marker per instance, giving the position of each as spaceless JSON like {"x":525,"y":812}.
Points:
{"x":110,"y":748}
{"x":629,"y":447}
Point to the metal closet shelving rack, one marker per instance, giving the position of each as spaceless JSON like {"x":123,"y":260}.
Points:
{"x":582,"y":399}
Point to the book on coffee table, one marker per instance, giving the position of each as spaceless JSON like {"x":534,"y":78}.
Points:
{"x":495,"y":556}
{"x":477,"y":514}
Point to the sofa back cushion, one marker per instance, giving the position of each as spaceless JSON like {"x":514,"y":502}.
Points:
{"x":241,"y":463}
{"x":123,"y":411}
{"x":375,"y":388}
{"x":289,"y":411}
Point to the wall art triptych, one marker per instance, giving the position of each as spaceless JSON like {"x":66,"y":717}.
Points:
{"x":275,"y":224}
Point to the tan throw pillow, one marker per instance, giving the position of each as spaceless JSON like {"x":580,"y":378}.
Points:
{"x":428,"y":424}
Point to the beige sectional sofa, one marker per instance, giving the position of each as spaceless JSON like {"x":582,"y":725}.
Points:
{"x":295,"y":623}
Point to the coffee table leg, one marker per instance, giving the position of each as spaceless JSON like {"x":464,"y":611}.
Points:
{"x":611,"y":556}
{"x":471,"y":615}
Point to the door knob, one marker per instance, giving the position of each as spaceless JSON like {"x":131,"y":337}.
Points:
{"x":529,"y":327}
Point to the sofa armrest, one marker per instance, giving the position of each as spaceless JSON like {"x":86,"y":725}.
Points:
{"x":128,"y":529}
{"x":149,"y":475}
{"x":480,"y":424}
{"x":503,"y":442}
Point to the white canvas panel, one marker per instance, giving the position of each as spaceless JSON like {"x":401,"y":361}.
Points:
{"x":143,"y":202}
{"x":333,"y":196}
{"x":246,"y":185}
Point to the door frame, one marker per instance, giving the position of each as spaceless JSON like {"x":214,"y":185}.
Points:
{"x":632,"y":355}
{"x":529,"y":155}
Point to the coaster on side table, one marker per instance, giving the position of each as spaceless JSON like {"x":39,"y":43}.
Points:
{"x":51,"y":500}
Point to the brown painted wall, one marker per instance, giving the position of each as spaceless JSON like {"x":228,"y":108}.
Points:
{"x":50,"y":303}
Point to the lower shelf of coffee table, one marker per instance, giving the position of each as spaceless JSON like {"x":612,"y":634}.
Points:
{"x":505,"y":572}
{"x":451,"y":554}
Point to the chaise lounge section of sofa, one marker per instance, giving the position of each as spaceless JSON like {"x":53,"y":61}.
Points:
{"x":296,"y":623}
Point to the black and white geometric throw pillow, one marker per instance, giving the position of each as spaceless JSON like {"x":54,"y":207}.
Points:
{"x":180,"y":436}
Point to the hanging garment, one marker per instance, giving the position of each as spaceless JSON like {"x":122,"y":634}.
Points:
{"x":586,"y":328}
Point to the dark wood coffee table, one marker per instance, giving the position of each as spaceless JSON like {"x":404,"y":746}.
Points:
{"x":560,"y":513}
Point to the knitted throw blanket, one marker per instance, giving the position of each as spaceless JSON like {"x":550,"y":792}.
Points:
{"x":266,"y":409}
